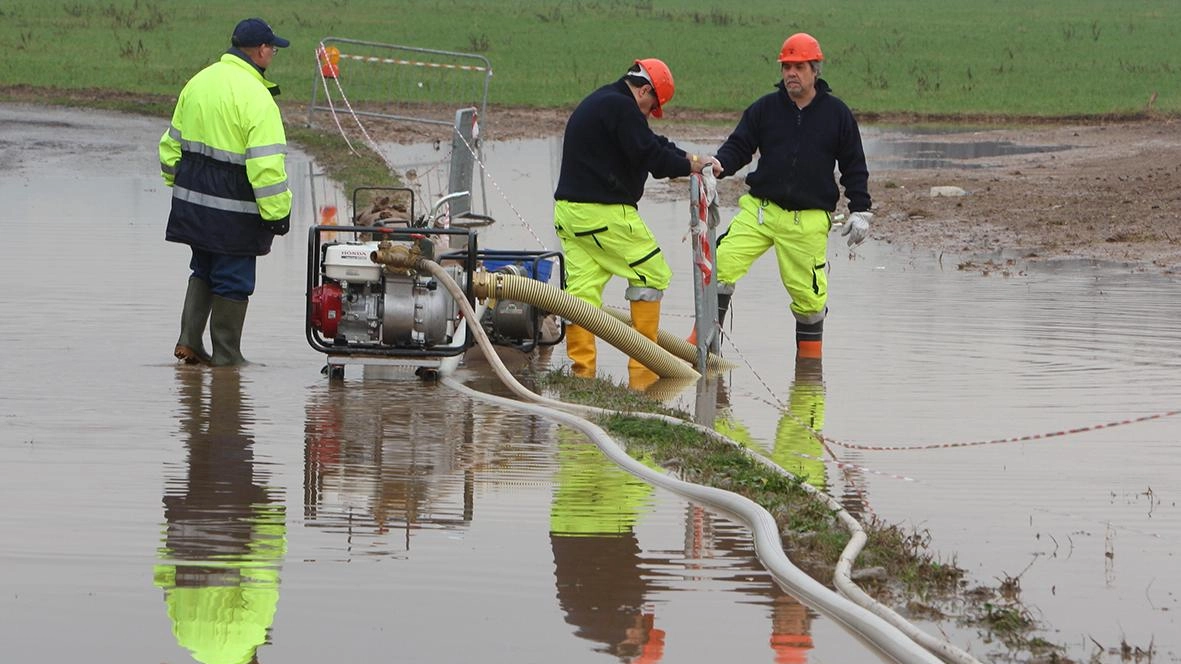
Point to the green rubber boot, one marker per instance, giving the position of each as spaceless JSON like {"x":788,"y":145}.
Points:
{"x":225,"y":327}
{"x":190,"y":348}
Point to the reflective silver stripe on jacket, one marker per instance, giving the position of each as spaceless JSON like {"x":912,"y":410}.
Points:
{"x":215,"y":202}
{"x":265,"y":150}
{"x":213,"y":153}
{"x":270,"y":190}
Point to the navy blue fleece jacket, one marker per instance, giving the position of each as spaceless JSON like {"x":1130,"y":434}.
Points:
{"x":798,"y":149}
{"x":609,"y":150}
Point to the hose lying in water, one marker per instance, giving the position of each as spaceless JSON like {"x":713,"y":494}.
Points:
{"x":901,"y":642}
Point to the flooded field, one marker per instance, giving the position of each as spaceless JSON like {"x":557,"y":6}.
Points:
{"x":169,"y":514}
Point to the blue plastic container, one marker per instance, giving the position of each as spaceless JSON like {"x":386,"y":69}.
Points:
{"x":545,"y":267}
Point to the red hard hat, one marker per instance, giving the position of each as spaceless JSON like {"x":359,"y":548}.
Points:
{"x":800,"y":47}
{"x":662,"y":82}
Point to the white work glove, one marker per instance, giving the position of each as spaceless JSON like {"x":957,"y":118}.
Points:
{"x":716,"y":166}
{"x":857,"y":228}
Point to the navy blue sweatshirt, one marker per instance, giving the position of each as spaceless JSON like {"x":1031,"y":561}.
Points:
{"x":609,"y":150}
{"x":798,"y":149}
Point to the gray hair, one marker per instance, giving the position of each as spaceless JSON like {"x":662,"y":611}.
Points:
{"x":815,"y":64}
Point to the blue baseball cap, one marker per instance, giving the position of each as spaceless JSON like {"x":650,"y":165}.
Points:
{"x":256,"y":32}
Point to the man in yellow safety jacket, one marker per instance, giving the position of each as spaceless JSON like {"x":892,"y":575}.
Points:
{"x":802,"y":133}
{"x":608,"y":151}
{"x":224,"y":157}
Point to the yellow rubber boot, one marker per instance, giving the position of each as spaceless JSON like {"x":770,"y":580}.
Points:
{"x":646,"y":320}
{"x":580,"y":347}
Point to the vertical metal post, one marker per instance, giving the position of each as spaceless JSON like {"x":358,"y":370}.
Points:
{"x":703,"y":221}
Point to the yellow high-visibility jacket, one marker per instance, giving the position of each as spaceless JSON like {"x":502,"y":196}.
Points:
{"x":224,"y":156}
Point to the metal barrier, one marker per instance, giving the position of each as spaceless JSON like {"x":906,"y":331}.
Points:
{"x":464,"y":149}
{"x":416,"y":85}
{"x":401,"y":82}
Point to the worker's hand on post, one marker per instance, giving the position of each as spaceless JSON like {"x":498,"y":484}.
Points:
{"x":857,"y":228}
{"x":717,"y":166}
{"x":696,"y":164}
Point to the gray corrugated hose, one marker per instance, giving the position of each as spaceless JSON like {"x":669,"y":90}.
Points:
{"x":880,"y":626}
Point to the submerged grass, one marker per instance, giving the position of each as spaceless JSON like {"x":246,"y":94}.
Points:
{"x":896,"y":566}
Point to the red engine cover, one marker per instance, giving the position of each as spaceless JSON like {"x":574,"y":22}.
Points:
{"x":326,"y":309}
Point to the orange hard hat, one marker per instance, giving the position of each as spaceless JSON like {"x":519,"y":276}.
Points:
{"x":800,"y":47}
{"x":662,"y":82}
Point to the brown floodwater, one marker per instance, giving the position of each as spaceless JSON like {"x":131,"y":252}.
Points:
{"x":170,"y":514}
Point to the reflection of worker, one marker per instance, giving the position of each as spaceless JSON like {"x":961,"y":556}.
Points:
{"x":225,"y":530}
{"x":800,"y":132}
{"x":596,"y":556}
{"x":798,"y":451}
{"x":791,"y":629}
{"x":224,"y":157}
{"x":797,"y":448}
{"x":791,"y":621}
{"x":607,"y":153}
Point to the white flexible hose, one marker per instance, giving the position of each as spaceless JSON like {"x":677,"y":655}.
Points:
{"x":886,"y":630}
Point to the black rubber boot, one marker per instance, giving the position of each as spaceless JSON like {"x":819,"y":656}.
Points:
{"x":723,"y":307}
{"x":809,"y":339}
{"x":225,"y":327}
{"x":190,"y":347}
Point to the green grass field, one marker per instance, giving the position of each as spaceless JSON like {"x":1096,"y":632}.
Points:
{"x":952,"y":57}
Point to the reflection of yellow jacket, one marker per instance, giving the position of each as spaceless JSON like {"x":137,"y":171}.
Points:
{"x":222,"y":607}
{"x":593,"y":495}
{"x":796,"y":449}
{"x":597,"y":562}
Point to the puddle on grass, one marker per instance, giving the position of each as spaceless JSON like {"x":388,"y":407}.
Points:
{"x":381,"y":513}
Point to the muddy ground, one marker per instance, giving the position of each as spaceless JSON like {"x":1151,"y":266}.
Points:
{"x":1114,"y":195}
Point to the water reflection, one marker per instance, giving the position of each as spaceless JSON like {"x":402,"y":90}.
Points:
{"x":796,"y":448}
{"x":386,"y":456}
{"x":885,"y":153}
{"x":613,"y":590}
{"x":225,"y":529}
{"x":377,"y":461}
{"x":791,"y":622}
{"x":600,"y":586}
